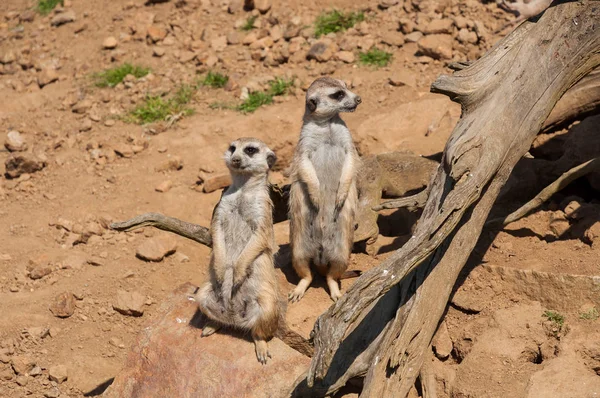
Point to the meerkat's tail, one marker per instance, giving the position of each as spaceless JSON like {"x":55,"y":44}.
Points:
{"x":294,"y":340}
{"x":351,"y":274}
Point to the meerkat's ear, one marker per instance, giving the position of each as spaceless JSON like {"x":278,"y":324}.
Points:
{"x":271,"y":159}
{"x":312,"y":104}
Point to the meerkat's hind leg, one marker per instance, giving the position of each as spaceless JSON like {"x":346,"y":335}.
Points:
{"x":262,"y":349}
{"x":209,"y":328}
{"x":302,"y":268}
{"x":334,"y":288}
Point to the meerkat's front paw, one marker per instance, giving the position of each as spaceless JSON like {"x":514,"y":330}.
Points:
{"x":209,"y":329}
{"x":295,"y":295}
{"x":262,"y":351}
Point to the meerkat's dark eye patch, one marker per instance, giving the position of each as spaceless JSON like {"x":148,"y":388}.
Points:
{"x":338,"y":95}
{"x":232,"y":149}
{"x":250,"y":150}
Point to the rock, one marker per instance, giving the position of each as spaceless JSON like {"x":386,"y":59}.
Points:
{"x":22,"y":380}
{"x":235,"y":6}
{"x":170,"y":358}
{"x":321,"y":51}
{"x":233,"y":38}
{"x":219,"y":181}
{"x":592,"y":234}
{"x":385,"y":4}
{"x":52,"y":393}
{"x":63,"y":305}
{"x":26,"y":163}
{"x":22,"y":364}
{"x":439,"y":26}
{"x":345,"y":56}
{"x":47,"y":76}
{"x":466,"y":36}
{"x":262,"y":5}
{"x":123,"y":150}
{"x":437,"y":46}
{"x":172,"y":164}
{"x":442,"y":344}
{"x":15,"y":142}
{"x":63,"y":18}
{"x":156,"y":248}
{"x":40,"y":271}
{"x":393,"y":38}
{"x":158,"y":51}
{"x":36,"y":371}
{"x":403,"y":77}
{"x":155,"y":33}
{"x":164,"y":186}
{"x":82,"y":107}
{"x":8,"y":57}
{"x":58,"y":373}
{"x":27,"y":16}
{"x":6,"y":374}
{"x":110,"y":43}
{"x":187,"y":56}
{"x":467,"y":302}
{"x":219,"y":44}
{"x":276,"y":33}
{"x":413,"y":37}
{"x":129,"y":303}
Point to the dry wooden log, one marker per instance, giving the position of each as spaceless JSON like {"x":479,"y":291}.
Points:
{"x":581,"y":100}
{"x":506,"y":96}
{"x":564,"y":180}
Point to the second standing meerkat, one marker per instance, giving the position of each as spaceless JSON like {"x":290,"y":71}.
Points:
{"x":323,"y":194}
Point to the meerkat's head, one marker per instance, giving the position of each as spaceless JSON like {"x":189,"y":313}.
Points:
{"x":326,"y":97}
{"x":249,"y":156}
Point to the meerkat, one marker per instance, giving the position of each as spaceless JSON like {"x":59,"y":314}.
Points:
{"x":242,"y":291}
{"x":323,"y":194}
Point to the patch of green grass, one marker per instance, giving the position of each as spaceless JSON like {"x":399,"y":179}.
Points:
{"x":44,"y":7}
{"x":257,"y":99}
{"x":254,"y":101}
{"x":590,"y":315}
{"x":157,"y":108}
{"x":558,"y":323}
{"x":214,"y":80}
{"x":375,"y":57}
{"x":280,"y":86}
{"x":555,"y":317}
{"x":336,"y":21}
{"x":249,"y":25}
{"x":114,"y":76}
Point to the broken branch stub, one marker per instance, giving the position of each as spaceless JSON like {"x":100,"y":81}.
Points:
{"x":505,"y":96}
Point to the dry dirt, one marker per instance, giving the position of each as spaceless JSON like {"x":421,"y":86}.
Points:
{"x":494,"y":342}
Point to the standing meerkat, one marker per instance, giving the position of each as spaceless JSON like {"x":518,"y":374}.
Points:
{"x":323,"y":194}
{"x":242,"y":291}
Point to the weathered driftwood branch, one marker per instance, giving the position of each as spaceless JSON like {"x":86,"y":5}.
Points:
{"x":411,"y":203}
{"x":564,"y":180}
{"x":191,"y":231}
{"x":581,"y":100}
{"x":506,"y":96}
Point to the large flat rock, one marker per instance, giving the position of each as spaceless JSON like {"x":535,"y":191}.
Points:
{"x":170,"y":359}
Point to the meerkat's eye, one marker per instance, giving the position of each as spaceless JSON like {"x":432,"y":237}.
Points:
{"x":232,"y":149}
{"x":250,"y":150}
{"x":338,"y":95}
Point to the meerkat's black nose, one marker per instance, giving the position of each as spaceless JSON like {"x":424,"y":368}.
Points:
{"x":358,"y":100}
{"x":236,"y":161}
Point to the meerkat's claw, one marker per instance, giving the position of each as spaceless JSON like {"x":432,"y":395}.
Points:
{"x":295,"y":296}
{"x":209,"y":329}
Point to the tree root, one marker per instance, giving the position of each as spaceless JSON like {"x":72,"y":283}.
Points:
{"x":564,"y":180}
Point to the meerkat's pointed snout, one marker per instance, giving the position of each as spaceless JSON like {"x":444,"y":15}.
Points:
{"x":358,"y":100}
